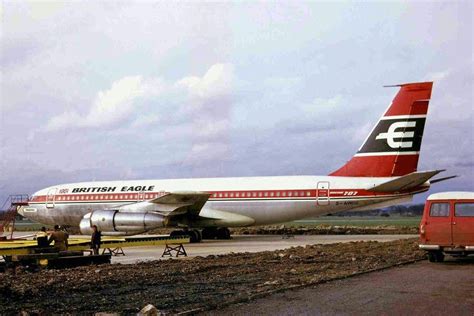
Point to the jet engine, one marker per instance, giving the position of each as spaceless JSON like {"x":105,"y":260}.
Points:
{"x":116,"y":223}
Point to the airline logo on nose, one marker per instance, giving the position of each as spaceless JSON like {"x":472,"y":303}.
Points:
{"x":395,"y":133}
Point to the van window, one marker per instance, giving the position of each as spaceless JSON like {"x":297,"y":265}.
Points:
{"x":439,"y":209}
{"x":464,"y":209}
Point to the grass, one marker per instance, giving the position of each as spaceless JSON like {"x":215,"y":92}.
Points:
{"x":27,"y":226}
{"x":358,"y":221}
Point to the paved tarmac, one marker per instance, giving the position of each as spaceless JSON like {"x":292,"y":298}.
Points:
{"x":247,"y":243}
{"x":422,"y":288}
{"x":238,"y":244}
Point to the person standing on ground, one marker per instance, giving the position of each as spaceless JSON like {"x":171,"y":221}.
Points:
{"x":95,"y":239}
{"x":60,"y":239}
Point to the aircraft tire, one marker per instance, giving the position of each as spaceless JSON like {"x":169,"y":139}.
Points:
{"x":223,"y":233}
{"x":209,"y":233}
{"x":176,"y":233}
{"x":199,"y":234}
{"x":194,"y":236}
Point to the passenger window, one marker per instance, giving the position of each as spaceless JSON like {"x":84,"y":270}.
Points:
{"x":439,"y":210}
{"x":464,"y":209}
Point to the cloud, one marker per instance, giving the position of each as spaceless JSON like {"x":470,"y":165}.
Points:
{"x":324,"y":105}
{"x":205,"y":152}
{"x":217,"y":81}
{"x":111,"y":106}
{"x":211,"y":130}
{"x":437,"y":76}
{"x":127,"y":98}
{"x":145,"y":120}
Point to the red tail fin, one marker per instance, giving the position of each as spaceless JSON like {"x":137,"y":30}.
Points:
{"x":393,"y":146}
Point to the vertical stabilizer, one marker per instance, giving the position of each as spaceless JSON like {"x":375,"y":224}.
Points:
{"x":393,"y":146}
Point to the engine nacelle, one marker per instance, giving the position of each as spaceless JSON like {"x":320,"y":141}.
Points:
{"x":115,"y":223}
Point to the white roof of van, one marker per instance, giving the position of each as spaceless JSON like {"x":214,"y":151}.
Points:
{"x":451,"y":196}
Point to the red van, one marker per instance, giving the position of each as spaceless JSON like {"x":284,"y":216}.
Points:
{"x":447,"y":226}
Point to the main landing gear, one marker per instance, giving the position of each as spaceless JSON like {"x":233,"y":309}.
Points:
{"x":216,"y":233}
{"x":196,"y":235}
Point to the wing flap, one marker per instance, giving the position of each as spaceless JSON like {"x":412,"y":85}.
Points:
{"x":405,"y":182}
{"x":176,"y":203}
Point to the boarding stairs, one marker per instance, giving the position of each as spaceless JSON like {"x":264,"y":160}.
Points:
{"x":8,"y":214}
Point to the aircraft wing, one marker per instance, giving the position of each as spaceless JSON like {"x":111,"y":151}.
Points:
{"x":405,"y":182}
{"x":176,"y":203}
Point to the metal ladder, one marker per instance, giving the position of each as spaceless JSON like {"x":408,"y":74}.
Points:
{"x":8,"y":212}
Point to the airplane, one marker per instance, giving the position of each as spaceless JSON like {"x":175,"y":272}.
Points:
{"x":383,"y":172}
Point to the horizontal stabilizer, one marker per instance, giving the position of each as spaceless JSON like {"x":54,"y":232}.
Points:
{"x":442,"y":179}
{"x":409,"y":181}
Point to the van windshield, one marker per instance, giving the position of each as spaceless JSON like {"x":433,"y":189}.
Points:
{"x":464,"y":209}
{"x":439,"y":209}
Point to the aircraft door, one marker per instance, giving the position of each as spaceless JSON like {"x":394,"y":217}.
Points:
{"x":50,"y":198}
{"x":141,"y":196}
{"x":322,"y":193}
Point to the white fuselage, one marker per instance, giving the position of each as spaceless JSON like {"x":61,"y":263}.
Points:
{"x":266,"y":200}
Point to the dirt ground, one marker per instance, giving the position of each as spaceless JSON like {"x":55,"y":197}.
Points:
{"x":326,"y":230}
{"x":422,"y":288}
{"x":195,"y":284}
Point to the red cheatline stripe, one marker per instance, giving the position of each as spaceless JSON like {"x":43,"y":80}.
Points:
{"x":215,"y":196}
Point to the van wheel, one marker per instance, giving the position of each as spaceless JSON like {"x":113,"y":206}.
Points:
{"x":431,"y":256}
{"x":435,"y":256}
{"x":439,"y":256}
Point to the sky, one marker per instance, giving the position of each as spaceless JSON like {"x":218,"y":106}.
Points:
{"x":112,"y":90}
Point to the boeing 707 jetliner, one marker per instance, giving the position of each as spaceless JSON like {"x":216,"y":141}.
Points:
{"x":383,"y":172}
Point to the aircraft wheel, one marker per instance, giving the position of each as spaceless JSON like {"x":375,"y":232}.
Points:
{"x":199,"y":234}
{"x":223,"y":233}
{"x":177,"y":233}
{"x":209,"y":233}
{"x":194,"y":236}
